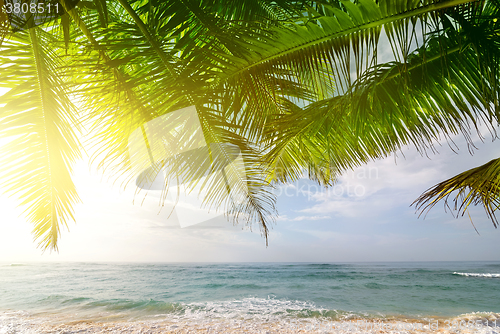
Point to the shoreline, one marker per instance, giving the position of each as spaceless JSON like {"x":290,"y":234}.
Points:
{"x":23,"y":322}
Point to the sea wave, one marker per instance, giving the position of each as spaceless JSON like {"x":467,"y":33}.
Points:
{"x":260,"y":308}
{"x":270,"y":308}
{"x":488,"y":275}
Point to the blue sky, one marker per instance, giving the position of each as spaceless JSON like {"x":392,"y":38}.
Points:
{"x":365,"y":217}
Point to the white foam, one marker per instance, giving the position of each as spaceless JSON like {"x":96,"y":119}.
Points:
{"x":23,"y":323}
{"x":18,"y":322}
{"x":486,"y":316}
{"x":247,"y":315}
{"x":269,"y":309}
{"x":488,"y":275}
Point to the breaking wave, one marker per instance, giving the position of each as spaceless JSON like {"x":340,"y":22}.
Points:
{"x":488,"y":275}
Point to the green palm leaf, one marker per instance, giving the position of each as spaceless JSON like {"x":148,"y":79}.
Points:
{"x":480,"y":185}
{"x":40,"y":122}
{"x":446,"y":87}
{"x":142,"y":63}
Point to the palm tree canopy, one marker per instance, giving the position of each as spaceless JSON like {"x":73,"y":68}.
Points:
{"x":294,"y":85}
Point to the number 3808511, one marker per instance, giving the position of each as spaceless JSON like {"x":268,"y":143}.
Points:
{"x":33,"y":8}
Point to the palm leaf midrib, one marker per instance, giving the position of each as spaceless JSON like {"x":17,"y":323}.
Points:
{"x":362,"y":27}
{"x":41,"y":85}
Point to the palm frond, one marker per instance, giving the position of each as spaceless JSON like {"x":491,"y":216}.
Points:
{"x":40,"y":122}
{"x":477,"y":186}
{"x":446,"y":87}
{"x":148,"y":70}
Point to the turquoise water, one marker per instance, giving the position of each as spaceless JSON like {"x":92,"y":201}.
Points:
{"x":251,"y":290}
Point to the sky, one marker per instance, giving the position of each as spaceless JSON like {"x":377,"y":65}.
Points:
{"x":366,"y":216}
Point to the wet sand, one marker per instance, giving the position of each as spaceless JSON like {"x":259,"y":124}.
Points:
{"x":54,"y":324}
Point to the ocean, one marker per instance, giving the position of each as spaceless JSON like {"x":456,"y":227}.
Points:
{"x":249,"y":297}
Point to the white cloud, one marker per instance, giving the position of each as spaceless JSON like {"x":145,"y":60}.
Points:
{"x":378,"y":188}
{"x":302,"y":218}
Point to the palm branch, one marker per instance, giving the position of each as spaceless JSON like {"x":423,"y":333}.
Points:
{"x":480,"y":185}
{"x":40,"y":123}
{"x":447,"y":86}
{"x":162,"y":85}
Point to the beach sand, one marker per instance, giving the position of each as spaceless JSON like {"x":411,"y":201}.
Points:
{"x":56,"y":324}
